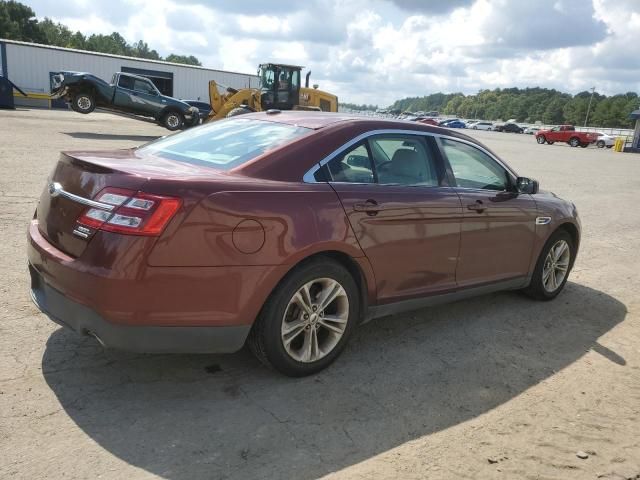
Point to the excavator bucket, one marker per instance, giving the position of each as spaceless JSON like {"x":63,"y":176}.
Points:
{"x":215,"y":99}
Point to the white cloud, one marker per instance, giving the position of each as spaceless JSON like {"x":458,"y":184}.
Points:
{"x":377,"y":51}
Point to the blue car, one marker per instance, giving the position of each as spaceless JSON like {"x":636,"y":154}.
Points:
{"x":455,"y":124}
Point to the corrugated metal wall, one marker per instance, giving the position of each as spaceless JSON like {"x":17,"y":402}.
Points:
{"x":29,"y":66}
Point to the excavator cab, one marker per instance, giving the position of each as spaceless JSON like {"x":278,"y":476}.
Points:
{"x":279,"y":86}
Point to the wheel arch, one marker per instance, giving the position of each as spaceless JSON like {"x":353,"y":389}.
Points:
{"x":358,"y":268}
{"x":168,"y":109}
{"x":572,"y":230}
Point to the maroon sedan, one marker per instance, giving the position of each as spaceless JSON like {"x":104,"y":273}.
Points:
{"x":286,"y":231}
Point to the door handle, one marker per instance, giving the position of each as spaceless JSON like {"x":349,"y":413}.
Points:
{"x":371,"y":207}
{"x":478,"y":206}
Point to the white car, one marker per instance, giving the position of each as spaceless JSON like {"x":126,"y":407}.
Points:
{"x":531,"y":130}
{"x":482,"y":126}
{"x":605,"y":140}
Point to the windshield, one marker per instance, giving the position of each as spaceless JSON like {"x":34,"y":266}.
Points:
{"x":224,"y":144}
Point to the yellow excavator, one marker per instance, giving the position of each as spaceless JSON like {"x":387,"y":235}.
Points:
{"x":279,"y":89}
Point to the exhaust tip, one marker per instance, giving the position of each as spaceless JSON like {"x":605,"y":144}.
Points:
{"x":95,"y":335}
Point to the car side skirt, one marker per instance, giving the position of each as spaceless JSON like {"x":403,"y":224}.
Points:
{"x":377,"y":311}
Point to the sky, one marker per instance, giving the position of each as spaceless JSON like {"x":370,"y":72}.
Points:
{"x":378,"y":51}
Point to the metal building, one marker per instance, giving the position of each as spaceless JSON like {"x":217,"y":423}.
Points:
{"x":30,"y":66}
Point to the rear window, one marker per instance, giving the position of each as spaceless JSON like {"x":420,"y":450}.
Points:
{"x":224,"y":144}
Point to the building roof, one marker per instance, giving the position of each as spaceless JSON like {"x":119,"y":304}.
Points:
{"x":100,"y":54}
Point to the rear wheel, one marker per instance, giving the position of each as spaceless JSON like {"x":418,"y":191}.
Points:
{"x":172,"y":120}
{"x":308,"y":319}
{"x":83,"y":102}
{"x":574,"y":141}
{"x":553,"y":267}
{"x":541,"y":139}
{"x":600,"y":144}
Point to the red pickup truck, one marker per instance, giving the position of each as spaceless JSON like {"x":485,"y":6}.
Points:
{"x":567,"y":134}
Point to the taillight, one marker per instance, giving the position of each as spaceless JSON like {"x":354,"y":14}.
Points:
{"x":133,"y":213}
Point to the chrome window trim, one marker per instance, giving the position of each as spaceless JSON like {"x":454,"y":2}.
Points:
{"x":308,"y":177}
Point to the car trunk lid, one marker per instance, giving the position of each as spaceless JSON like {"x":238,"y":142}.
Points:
{"x":77,"y":179}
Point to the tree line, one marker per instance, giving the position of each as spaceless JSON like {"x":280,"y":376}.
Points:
{"x":530,"y":105}
{"x":358,"y":108}
{"x":19,"y":22}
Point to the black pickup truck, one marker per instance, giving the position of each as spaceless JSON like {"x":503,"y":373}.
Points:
{"x":127,"y":93}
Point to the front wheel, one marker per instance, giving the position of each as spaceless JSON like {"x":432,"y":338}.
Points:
{"x":553,"y":267}
{"x":541,"y":139}
{"x":172,"y":121}
{"x":308,"y":319}
{"x":574,"y":141}
{"x":600,"y":143}
{"x":83,"y":103}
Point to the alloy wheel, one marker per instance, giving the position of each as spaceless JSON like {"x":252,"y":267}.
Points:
{"x":315,"y":320}
{"x":173,"y":121}
{"x":84,"y":103}
{"x":556,"y":266}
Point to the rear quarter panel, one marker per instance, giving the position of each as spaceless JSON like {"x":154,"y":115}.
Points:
{"x":267,"y":226}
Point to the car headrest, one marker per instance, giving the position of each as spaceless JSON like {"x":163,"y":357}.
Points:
{"x":407,"y":162}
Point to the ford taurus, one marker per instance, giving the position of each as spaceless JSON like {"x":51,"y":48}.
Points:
{"x":285,"y":230}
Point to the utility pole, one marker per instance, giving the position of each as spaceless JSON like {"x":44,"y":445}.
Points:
{"x":586,"y":118}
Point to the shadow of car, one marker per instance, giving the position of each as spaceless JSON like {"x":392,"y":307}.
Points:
{"x":402,"y":377}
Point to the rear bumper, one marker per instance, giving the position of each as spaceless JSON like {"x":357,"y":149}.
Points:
{"x":141,"y":339}
{"x":110,"y":291}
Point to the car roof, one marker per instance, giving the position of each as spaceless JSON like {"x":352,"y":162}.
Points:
{"x":331,"y":131}
{"x":321,"y":120}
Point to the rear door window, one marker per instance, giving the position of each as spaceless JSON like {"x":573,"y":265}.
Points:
{"x":404,"y":160}
{"x":352,"y":167}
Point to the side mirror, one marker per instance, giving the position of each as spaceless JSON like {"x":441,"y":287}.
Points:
{"x":527,"y":185}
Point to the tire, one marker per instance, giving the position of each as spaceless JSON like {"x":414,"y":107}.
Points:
{"x":541,"y":139}
{"x":539,"y":289}
{"x":172,"y":120}
{"x":239,"y":111}
{"x":600,"y":144}
{"x":574,"y":141}
{"x":83,"y":102}
{"x":267,"y":339}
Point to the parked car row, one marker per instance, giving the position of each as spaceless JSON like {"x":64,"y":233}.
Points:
{"x":561,"y":133}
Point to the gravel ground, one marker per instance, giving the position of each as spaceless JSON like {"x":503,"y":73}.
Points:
{"x":494,"y":387}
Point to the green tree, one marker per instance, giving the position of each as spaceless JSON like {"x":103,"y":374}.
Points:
{"x":188,"y":60}
{"x":18,"y":22}
{"x":142,"y":50}
{"x":55,"y":33}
